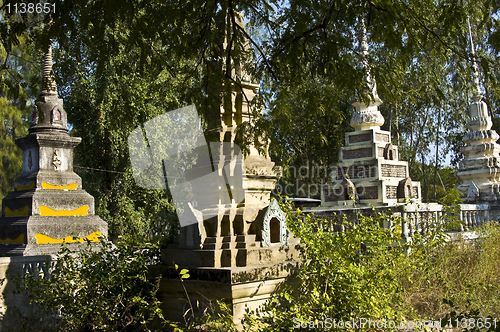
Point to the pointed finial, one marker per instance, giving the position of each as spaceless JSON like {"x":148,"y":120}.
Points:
{"x":477,"y":90}
{"x":366,"y":116}
{"x":363,"y":44}
{"x":48,"y":83}
{"x":364,"y":62}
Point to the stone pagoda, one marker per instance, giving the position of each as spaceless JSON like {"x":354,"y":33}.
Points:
{"x":240,"y":254}
{"x":48,"y":205}
{"x":369,"y":171}
{"x":479,"y":172}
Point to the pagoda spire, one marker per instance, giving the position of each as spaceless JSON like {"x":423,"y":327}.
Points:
{"x":48,"y":82}
{"x":366,"y":116}
{"x":479,"y":172}
{"x":477,"y":90}
{"x":48,"y":114}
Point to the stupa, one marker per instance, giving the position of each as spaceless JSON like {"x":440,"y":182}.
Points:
{"x":369,"y":171}
{"x":242,"y":253}
{"x":48,"y":205}
{"x":479,"y":171}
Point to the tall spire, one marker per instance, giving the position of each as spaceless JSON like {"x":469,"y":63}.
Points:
{"x":365,"y":66}
{"x":479,"y":117}
{"x":48,"y":83}
{"x":48,"y":114}
{"x":477,"y":90}
{"x":366,"y":116}
{"x":479,"y":172}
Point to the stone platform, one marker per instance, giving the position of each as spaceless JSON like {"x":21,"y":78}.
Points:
{"x":242,"y":288}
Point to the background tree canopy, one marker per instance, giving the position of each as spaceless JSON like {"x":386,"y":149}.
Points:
{"x":120,"y":63}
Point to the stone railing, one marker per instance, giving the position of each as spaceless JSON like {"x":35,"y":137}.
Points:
{"x":415,"y":218}
{"x":39,"y":267}
{"x":419,"y":218}
{"x":474,"y":215}
{"x":12,"y":270}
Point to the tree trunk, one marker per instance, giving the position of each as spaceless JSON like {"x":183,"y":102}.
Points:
{"x":436,"y":161}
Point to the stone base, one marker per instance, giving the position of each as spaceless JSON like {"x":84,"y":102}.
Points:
{"x":37,"y":235}
{"x":242,"y":288}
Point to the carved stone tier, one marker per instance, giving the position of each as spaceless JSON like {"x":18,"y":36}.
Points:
{"x":367,"y":117}
{"x":369,"y":173}
{"x":219,"y":242}
{"x":479,"y":172}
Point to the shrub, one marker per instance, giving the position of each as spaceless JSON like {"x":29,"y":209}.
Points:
{"x":457,"y":277}
{"x":344,"y":276}
{"x":103,"y":287}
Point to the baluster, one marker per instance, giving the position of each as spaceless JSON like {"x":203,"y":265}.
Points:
{"x":404,"y":228}
{"x":421,"y":222}
{"x":410,"y":225}
{"x":462,"y":220}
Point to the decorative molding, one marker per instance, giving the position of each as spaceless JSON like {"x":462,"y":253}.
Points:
{"x":44,"y":239}
{"x":367,"y":117}
{"x":72,"y":186}
{"x":56,"y":161}
{"x":46,"y":211}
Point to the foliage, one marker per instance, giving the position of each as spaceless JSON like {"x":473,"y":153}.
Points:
{"x":307,"y":134}
{"x":104,"y":119}
{"x":344,"y":276}
{"x":12,"y":127}
{"x":418,"y":53}
{"x":103,"y":287}
{"x":365,"y":272}
{"x":457,"y":277}
{"x":18,"y":79}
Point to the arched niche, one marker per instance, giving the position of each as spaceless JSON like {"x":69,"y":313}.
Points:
{"x":274,"y":226}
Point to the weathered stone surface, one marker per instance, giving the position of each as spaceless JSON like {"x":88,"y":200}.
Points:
{"x":48,"y":204}
{"x":357,"y":153}
{"x":241,"y":288}
{"x":394,"y":171}
{"x":359,"y":138}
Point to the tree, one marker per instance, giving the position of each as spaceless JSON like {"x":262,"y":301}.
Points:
{"x":123,"y":63}
{"x":19,"y":75}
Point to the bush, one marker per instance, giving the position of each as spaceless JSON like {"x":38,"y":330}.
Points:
{"x":103,"y":287}
{"x":367,"y":273}
{"x":344,"y":276}
{"x":457,"y":277}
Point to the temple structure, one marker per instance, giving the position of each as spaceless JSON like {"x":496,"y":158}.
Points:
{"x":48,"y":205}
{"x":237,"y":249}
{"x":479,"y":171}
{"x":369,"y":171}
